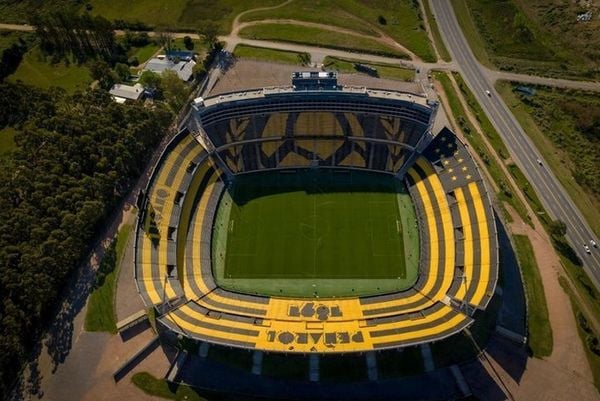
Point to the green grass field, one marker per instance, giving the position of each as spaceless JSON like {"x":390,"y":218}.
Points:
{"x":316,"y":232}
{"x":36,"y":70}
{"x":531,"y":36}
{"x":540,"y":331}
{"x":100,"y":315}
{"x":264,"y":54}
{"x":387,"y":71}
{"x":403,"y":20}
{"x":320,"y":37}
{"x":7,"y":141}
{"x":177,"y":14}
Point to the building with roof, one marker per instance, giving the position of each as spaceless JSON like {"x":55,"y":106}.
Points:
{"x":122,"y":92}
{"x":183,"y":69}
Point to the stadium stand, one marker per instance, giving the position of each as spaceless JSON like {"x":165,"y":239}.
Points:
{"x":458,"y":256}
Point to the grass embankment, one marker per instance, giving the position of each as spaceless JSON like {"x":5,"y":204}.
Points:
{"x":101,"y":314}
{"x":271,"y":55}
{"x":143,"y":54}
{"x":540,"y":333}
{"x":563,"y":125}
{"x":387,"y":71}
{"x":402,"y":21}
{"x":161,"y":388}
{"x":7,"y":38}
{"x":177,"y":15}
{"x":320,"y":37}
{"x":7,"y":141}
{"x":37,"y":70}
{"x":530,"y":36}
{"x":435,"y":33}
{"x":474,"y":137}
{"x":589,"y":338}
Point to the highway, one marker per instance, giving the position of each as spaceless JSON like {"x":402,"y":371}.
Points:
{"x":553,"y":196}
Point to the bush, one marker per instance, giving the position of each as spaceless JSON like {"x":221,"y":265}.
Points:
{"x":133,"y":61}
{"x":188,"y":43}
{"x":381,"y":19}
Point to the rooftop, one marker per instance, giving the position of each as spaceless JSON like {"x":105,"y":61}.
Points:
{"x":183,"y":69}
{"x":277,"y":90}
{"x":127,"y":92}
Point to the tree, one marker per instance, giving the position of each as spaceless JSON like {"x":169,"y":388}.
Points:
{"x":102,"y":73}
{"x":165,"y":39}
{"x":558,"y":229}
{"x":122,"y":71}
{"x":304,"y":58}
{"x":11,"y":58}
{"x":76,"y":158}
{"x":210,"y":32}
{"x":150,"y":80}
{"x":175,"y":91}
{"x":199,"y":71}
{"x":188,"y":43}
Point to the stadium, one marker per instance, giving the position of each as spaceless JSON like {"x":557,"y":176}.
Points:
{"x":315,"y":218}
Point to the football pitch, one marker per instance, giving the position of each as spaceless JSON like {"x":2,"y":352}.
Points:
{"x":315,"y":232}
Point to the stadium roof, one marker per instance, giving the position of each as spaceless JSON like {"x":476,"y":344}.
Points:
{"x":277,"y":90}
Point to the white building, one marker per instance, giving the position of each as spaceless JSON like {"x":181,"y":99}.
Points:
{"x":121,"y":92}
{"x":183,"y":69}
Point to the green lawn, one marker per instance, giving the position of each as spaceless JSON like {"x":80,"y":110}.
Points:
{"x":403,"y":21}
{"x":7,"y":141}
{"x":100,"y":314}
{"x":7,"y":38}
{"x":563,"y":125}
{"x":199,"y":46}
{"x":319,"y":37}
{"x":292,"y":233}
{"x":540,"y":332}
{"x":383,"y":70}
{"x":177,"y":14}
{"x":143,"y":54}
{"x":36,"y":70}
{"x":272,"y":55}
{"x":20,"y":11}
{"x":161,"y":388}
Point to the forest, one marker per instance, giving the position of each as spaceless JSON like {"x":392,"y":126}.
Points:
{"x":76,"y":157}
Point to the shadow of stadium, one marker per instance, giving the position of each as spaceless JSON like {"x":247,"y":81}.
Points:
{"x":252,"y":186}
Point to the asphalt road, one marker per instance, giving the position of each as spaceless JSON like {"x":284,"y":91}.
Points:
{"x":554,"y":197}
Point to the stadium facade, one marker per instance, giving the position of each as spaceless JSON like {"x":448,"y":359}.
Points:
{"x":315,"y":123}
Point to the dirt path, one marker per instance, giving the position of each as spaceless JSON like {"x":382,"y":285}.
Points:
{"x":382,"y":38}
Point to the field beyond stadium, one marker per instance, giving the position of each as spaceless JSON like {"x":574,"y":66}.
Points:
{"x":315,"y":233}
